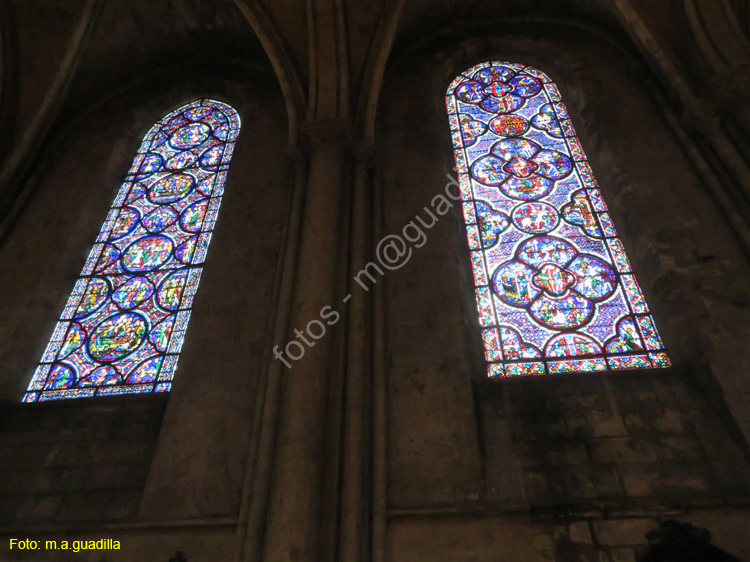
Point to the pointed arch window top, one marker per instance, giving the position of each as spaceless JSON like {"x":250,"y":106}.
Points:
{"x":122,"y":328}
{"x":555,"y":290}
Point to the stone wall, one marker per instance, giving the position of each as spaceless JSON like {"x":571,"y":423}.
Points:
{"x":586,"y":449}
{"x":570,"y":467}
{"x":491,"y":538}
{"x":177,"y":456}
{"x":78,"y":461}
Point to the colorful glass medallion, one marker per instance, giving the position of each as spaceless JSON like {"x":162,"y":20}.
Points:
{"x":146,"y":371}
{"x":579,"y":213}
{"x":212,"y":157}
{"x":161,"y":332}
{"x":109,"y":256}
{"x":151,"y":163}
{"x":198,"y":113}
{"x":191,"y":218}
{"x":125,"y":321}
{"x":147,"y":253}
{"x":159,"y":219}
{"x":546,"y":120}
{"x":75,"y":338}
{"x":103,"y":376}
{"x":125,"y":222}
{"x":535,"y":217}
{"x":521,"y":168}
{"x":491,"y":223}
{"x":509,"y":125}
{"x":570,"y":345}
{"x":97,"y":291}
{"x":170,"y":289}
{"x":60,"y":376}
{"x":190,"y":136}
{"x":181,"y":160}
{"x":117,"y":337}
{"x":471,"y":129}
{"x":185,"y":251}
{"x":133,"y":292}
{"x":555,"y":290}
{"x":170,"y":188}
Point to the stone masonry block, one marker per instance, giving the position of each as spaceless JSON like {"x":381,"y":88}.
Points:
{"x":98,"y":505}
{"x":622,"y":555}
{"x":22,"y":457}
{"x":636,"y":423}
{"x":638,"y":485}
{"x":606,"y":424}
{"x":622,"y":532}
{"x":580,"y":532}
{"x":578,"y":425}
{"x":39,"y":509}
{"x":671,"y":421}
{"x":620,"y":450}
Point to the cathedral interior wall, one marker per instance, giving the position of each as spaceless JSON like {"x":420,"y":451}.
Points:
{"x":629,"y":445}
{"x":177,"y":456}
{"x":569,"y":467}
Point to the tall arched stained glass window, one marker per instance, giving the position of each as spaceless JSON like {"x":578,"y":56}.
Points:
{"x":554,"y":288}
{"x":123,"y":326}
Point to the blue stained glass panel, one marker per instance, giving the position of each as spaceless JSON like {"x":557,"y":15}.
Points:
{"x":553,"y":283}
{"x":124,"y":324}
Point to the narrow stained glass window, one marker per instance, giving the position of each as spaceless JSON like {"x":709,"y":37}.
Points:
{"x":123,"y":326}
{"x":555,"y":290}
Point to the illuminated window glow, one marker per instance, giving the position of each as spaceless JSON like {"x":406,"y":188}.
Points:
{"x":555,"y":290}
{"x":122,"y":329}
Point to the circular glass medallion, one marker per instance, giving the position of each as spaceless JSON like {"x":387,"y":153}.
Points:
{"x":181,"y":160}
{"x":570,"y":311}
{"x":571,"y":345}
{"x":170,"y":189}
{"x":198,"y":113}
{"x":100,"y":377}
{"x":509,"y":125}
{"x":191,"y":218}
{"x":95,"y":294}
{"x":169,"y":292}
{"x":526,"y":189}
{"x":108,"y":256}
{"x":147,"y":253}
{"x":60,"y":376}
{"x":189,"y":136}
{"x":158,"y":139}
{"x":470,"y":92}
{"x":159,"y":219}
{"x":161,"y":332}
{"x":222,"y":132}
{"x":535,"y":217}
{"x":146,"y":371}
{"x":206,"y":185}
{"x":75,"y":338}
{"x":151,"y":163}
{"x":489,"y":170}
{"x":184,"y":251}
{"x":212,"y":157}
{"x":125,"y":222}
{"x":133,"y":292}
{"x":117,"y":337}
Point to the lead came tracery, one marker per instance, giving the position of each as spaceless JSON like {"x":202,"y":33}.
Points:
{"x":554,"y":288}
{"x":123,"y":326}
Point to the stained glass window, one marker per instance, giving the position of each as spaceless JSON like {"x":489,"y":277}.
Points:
{"x":122,"y":328}
{"x":555,"y":290}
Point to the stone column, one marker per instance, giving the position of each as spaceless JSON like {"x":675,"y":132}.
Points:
{"x":300,"y":462}
{"x":355,"y":504}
